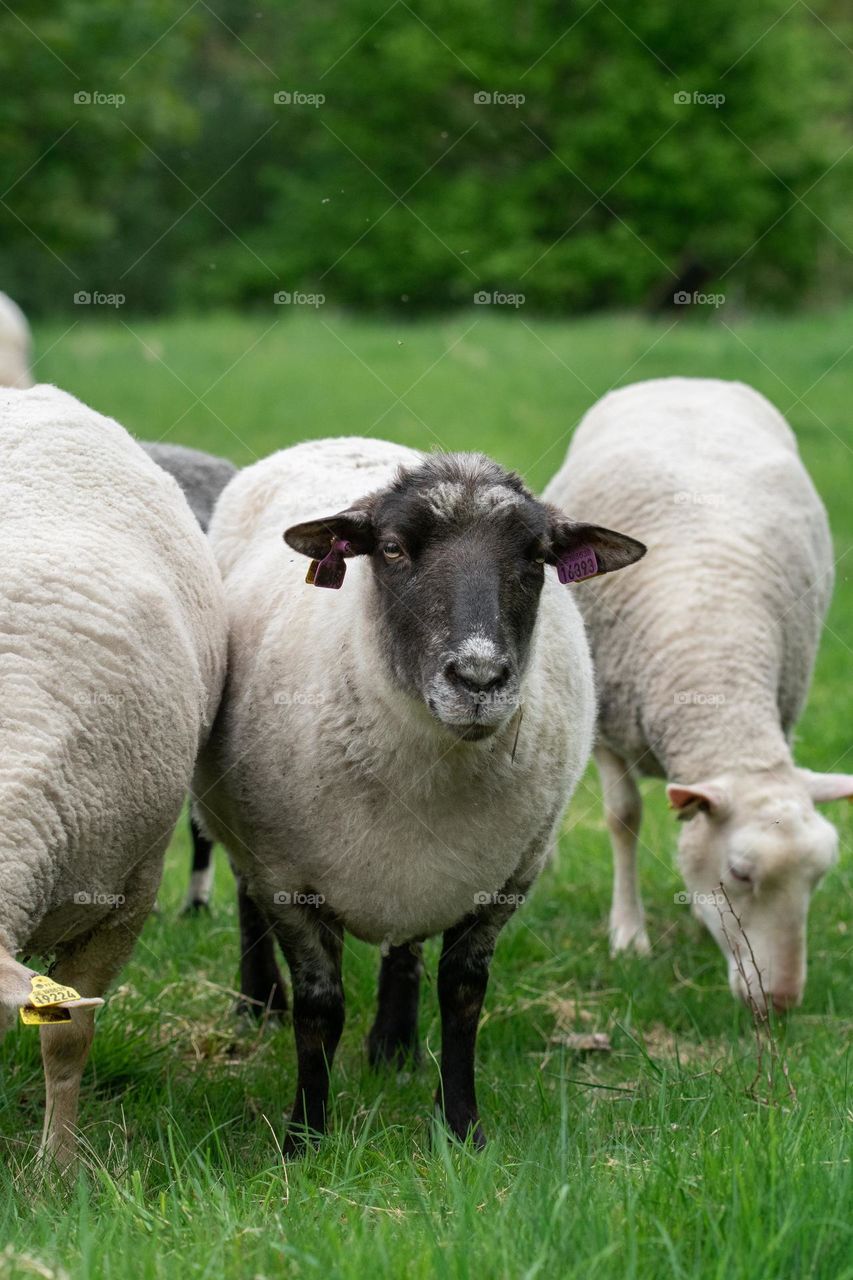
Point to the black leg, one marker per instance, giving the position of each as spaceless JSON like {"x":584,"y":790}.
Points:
{"x":201,"y":875}
{"x":463,"y":974}
{"x":261,"y":984}
{"x":394,"y":1035}
{"x":313,"y":945}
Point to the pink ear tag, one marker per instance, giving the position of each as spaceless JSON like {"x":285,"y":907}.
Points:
{"x":574,"y":566}
{"x":330,"y":571}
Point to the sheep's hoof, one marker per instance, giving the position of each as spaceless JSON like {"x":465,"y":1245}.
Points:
{"x":467,"y":1132}
{"x":299,"y":1142}
{"x":629,"y":937}
{"x":58,"y":1165}
{"x":273,"y":1009}
{"x":392,"y":1051}
{"x":194,"y":908}
{"x":475,"y":1136}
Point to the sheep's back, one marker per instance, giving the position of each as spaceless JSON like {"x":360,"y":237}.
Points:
{"x":731,"y":594}
{"x":15,"y":344}
{"x":111,"y":655}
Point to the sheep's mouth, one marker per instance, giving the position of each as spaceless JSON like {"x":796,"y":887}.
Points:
{"x":474,"y":730}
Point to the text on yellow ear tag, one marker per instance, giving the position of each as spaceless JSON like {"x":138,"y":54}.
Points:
{"x":45,"y":991}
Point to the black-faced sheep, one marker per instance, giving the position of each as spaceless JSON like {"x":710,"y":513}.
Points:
{"x":393,"y":758}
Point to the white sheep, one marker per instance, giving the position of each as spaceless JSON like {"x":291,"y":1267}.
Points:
{"x":112,"y":658}
{"x":703,"y":658}
{"x":393,"y":759}
{"x":202,"y":477}
{"x":15,"y":345}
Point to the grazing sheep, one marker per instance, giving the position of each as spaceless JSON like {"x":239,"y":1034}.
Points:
{"x":15,"y":345}
{"x":393,"y":760}
{"x":112,"y":657}
{"x":202,"y":476}
{"x":703,"y":659}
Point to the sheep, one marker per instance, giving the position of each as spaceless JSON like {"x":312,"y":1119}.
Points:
{"x":112,"y":660}
{"x":703,"y":658}
{"x":202,"y":477}
{"x":15,"y":345}
{"x":393,"y":760}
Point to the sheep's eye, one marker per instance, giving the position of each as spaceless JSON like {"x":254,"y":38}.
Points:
{"x":392,"y":550}
{"x":742,"y":876}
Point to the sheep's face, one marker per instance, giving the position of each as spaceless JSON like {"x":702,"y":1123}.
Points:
{"x":752,"y":854}
{"x":458,"y":550}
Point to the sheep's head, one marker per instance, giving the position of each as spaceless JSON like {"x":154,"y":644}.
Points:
{"x":458,"y":550}
{"x":752,"y":852}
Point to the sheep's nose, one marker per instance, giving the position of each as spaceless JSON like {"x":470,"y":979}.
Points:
{"x":477,"y":675}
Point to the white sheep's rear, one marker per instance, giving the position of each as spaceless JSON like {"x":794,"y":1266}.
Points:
{"x":15,"y":344}
{"x":112,"y":643}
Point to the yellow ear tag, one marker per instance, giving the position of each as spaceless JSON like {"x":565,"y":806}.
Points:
{"x":50,"y":1002}
{"x":40,"y":1017}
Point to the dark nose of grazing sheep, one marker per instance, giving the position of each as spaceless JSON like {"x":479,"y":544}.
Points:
{"x":477,"y":675}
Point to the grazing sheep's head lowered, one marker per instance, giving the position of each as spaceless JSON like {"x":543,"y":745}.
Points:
{"x":458,"y":548}
{"x":752,"y":853}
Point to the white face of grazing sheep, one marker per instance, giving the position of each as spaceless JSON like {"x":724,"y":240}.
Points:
{"x":458,"y":550}
{"x":760,"y":838}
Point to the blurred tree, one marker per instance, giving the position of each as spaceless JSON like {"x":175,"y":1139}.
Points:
{"x":652,"y":151}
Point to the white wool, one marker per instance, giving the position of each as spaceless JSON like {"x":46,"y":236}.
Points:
{"x":112,"y":659}
{"x":321,"y":775}
{"x":729,"y":600}
{"x":15,"y":344}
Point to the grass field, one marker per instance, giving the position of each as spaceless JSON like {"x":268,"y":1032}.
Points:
{"x":664,"y":1157}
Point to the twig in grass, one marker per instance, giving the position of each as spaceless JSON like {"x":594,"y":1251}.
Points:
{"x":765,"y":1034}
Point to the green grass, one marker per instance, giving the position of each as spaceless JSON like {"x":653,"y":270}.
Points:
{"x":661,"y":1158}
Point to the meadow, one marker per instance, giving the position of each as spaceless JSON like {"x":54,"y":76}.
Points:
{"x":690,"y":1148}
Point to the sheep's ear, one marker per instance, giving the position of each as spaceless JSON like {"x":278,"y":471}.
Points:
{"x":580,"y":550}
{"x":315,"y":537}
{"x":704,"y":797}
{"x":825,"y":787}
{"x":15,"y":986}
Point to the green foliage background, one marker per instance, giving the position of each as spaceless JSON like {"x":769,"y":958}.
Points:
{"x":400,"y":190}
